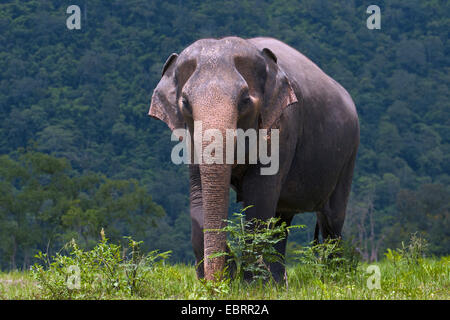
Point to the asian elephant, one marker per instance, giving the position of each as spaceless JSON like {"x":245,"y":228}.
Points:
{"x":261,"y":83}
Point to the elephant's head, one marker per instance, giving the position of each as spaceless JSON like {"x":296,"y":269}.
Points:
{"x":226,"y":84}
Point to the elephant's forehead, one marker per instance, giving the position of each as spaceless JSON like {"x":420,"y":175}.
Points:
{"x":211,"y":55}
{"x":212,"y":51}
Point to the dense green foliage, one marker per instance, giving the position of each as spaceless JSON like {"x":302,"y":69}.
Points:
{"x":43,"y":206}
{"x":83,"y":95}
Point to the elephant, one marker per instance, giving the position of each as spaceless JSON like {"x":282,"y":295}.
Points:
{"x":261,"y":83}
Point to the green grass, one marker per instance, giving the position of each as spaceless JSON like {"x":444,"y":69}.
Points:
{"x":426,"y":279}
{"x":330,"y":270}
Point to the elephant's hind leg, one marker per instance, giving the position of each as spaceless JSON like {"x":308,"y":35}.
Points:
{"x":330,"y":219}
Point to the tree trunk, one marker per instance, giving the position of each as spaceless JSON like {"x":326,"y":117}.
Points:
{"x":13,"y":255}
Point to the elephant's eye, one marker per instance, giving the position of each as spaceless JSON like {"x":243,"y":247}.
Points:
{"x":185,"y":106}
{"x":246,"y":100}
{"x":245,"y":103}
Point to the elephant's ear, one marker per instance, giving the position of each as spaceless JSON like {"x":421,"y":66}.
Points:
{"x":164,"y":99}
{"x":278,"y":92}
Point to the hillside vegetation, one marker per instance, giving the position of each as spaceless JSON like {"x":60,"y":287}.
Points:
{"x":78,"y":152}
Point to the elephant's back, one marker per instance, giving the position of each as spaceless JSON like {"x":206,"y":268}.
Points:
{"x":290,"y":59}
{"x":296,"y":65}
{"x":307,"y":78}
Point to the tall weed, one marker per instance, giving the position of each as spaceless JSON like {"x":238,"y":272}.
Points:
{"x":103,"y":272}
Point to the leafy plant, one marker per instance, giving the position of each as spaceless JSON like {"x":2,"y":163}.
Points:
{"x":103,"y":272}
{"x":331,"y":259}
{"x":410,"y":254}
{"x":251,"y":245}
{"x":393,"y":256}
{"x":218,"y":288}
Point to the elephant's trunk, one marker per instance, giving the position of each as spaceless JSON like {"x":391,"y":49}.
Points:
{"x":215,"y":179}
{"x":215,"y":191}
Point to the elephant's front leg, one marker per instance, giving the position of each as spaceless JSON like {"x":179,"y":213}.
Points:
{"x":196,"y":218}
{"x":262,"y":193}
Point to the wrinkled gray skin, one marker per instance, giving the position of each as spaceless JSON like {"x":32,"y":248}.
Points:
{"x":261,"y":83}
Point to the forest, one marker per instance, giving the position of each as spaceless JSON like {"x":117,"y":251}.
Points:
{"x":78,"y":152}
